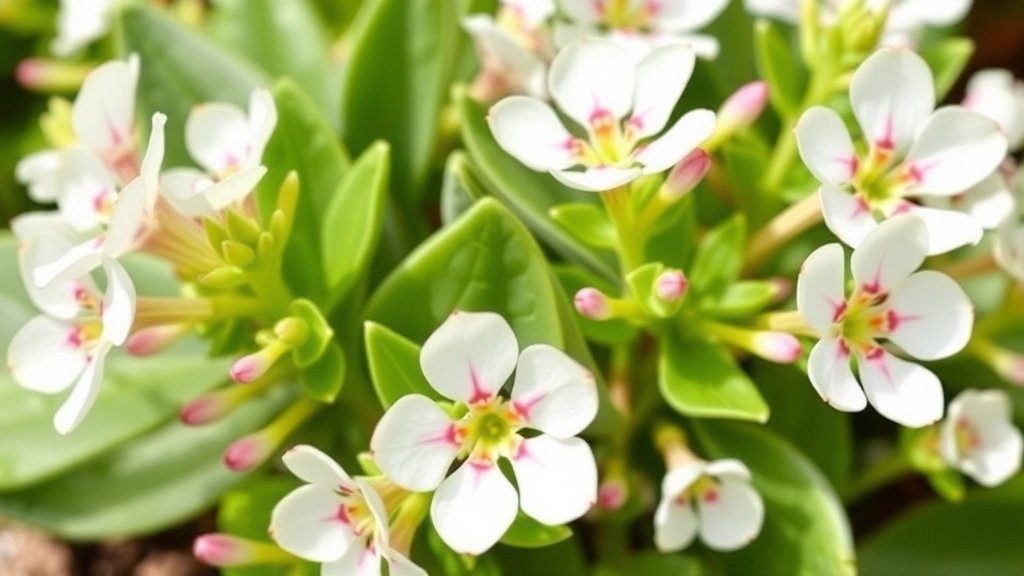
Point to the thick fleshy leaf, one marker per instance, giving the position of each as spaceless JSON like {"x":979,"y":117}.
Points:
{"x":661,"y":78}
{"x":412,"y":443}
{"x":846,"y":215}
{"x":470,"y":356}
{"x":821,"y":287}
{"x":932,"y":315}
{"x":892,"y":94}
{"x":473,"y":508}
{"x":954,"y":150}
{"x":700,"y":379}
{"x":552,"y":392}
{"x":529,"y":130}
{"x":889,"y":254}
{"x":733,"y":518}
{"x":42,"y":356}
{"x":394,"y":365}
{"x":599,"y":179}
{"x":825,"y":146}
{"x":103,"y":115}
{"x":683,"y":137}
{"x":902,"y":391}
{"x":83,"y":394}
{"x":828,"y":367}
{"x":313,"y":466}
{"x":590,"y":76}
{"x":306,"y":523}
{"x":557,"y":478}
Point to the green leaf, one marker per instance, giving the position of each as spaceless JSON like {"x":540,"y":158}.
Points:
{"x":323,"y":380}
{"x":486,"y":260}
{"x":399,"y":68}
{"x":459,"y":188}
{"x":531,"y":195}
{"x":587,"y":223}
{"x":740,"y":299}
{"x":525,"y":532}
{"x":352,"y":224}
{"x":283,"y":39}
{"x":980,"y":535}
{"x":947,"y":59}
{"x":656,"y":564}
{"x":779,"y":65}
{"x":610,"y":332}
{"x":394,"y":365}
{"x":805,"y":532}
{"x":719,"y":258}
{"x":700,"y":379}
{"x":304,"y":142}
{"x":145,"y":485}
{"x":318,"y":333}
{"x":179,"y":69}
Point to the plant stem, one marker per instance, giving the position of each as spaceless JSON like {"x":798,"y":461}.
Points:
{"x":630,"y":238}
{"x":784,"y":227}
{"x":893,"y":467}
{"x":790,"y":321}
{"x":972,"y":266}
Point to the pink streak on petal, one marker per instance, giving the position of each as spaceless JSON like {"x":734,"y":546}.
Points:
{"x":479,"y":394}
{"x":838,"y":309}
{"x":523,"y":406}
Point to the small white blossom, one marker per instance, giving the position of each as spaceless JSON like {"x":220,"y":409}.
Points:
{"x":925,"y":314}
{"x":79,"y":22}
{"x":998,"y":95}
{"x":513,"y":45}
{"x":978,"y":436}
{"x":468,"y":359}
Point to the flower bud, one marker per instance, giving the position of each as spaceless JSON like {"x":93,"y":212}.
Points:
{"x":612,"y":494}
{"x":744,"y":107}
{"x":249,"y":452}
{"x":253,"y":366}
{"x":155,"y":339}
{"x":224,"y":550}
{"x":45,"y":75}
{"x":206,"y":409}
{"x":778,"y":347}
{"x":671,"y":285}
{"x":591,"y":303}
{"x":686,"y":175}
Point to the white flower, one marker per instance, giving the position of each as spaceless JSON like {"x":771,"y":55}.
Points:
{"x":713,"y":499}
{"x":926,"y":314}
{"x":67,"y":344}
{"x":468,"y":359}
{"x":622,"y":106}
{"x":998,"y":95}
{"x":512,"y":45}
{"x":335,"y":519}
{"x":228,"y":145}
{"x":979,"y":438}
{"x":639,"y":26}
{"x":1008,"y":245}
{"x":79,"y":22}
{"x":913,"y":152}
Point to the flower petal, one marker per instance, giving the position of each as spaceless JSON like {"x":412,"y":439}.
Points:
{"x":399,"y":565}
{"x":675,"y":524}
{"x":846,"y":215}
{"x":990,"y":201}
{"x":955,"y":149}
{"x":828,"y":368}
{"x":661,"y":78}
{"x":685,"y":16}
{"x":183,"y":189}
{"x":733,"y":517}
{"x":234,"y":188}
{"x":128,"y":219}
{"x":784,"y":10}
{"x":103,"y":115}
{"x":591,"y":75}
{"x":998,"y":95}
{"x":825,"y":146}
{"x":947,"y":230}
{"x":414,"y":443}
{"x":521,"y":69}
{"x":42,"y":356}
{"x":597,"y":179}
{"x":262,"y":121}
{"x":59,"y":299}
{"x":118,"y":311}
{"x":307,"y":523}
{"x":473,"y":508}
{"x":470,"y":356}
{"x":153,"y":161}
{"x":360,"y":559}
{"x":38,"y":171}
{"x":83,"y":395}
{"x":27,"y":224}
{"x":892,"y":94}
{"x":890,"y":253}
{"x":313,"y":466}
{"x":728,"y":468}
{"x":683,"y":137}
{"x":679,"y":478}
{"x":997,"y":453}
{"x":217,"y":136}
{"x":529,"y":130}
{"x":583,"y":11}
{"x":931,"y":315}
{"x":821,"y":287}
{"x":557,"y":478}
{"x":904,"y":392}
{"x":552,"y":392}
{"x":87,"y":188}
{"x":77,"y":262}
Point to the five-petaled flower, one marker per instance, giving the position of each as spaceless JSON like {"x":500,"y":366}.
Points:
{"x":335,"y":519}
{"x":713,"y":499}
{"x":468,"y":359}
{"x":622,"y":106}
{"x":913,"y":152}
{"x":978,"y":436}
{"x":925,"y":314}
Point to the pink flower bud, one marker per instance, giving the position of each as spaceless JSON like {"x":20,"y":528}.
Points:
{"x":778,"y":347}
{"x":249,"y":368}
{"x":223,"y":550}
{"x":671,"y":285}
{"x":686,"y":175}
{"x":591,"y":303}
{"x":248,"y":452}
{"x":611,"y":495}
{"x":203,"y":410}
{"x":744,"y":106}
{"x":45,"y":75}
{"x":156,"y":339}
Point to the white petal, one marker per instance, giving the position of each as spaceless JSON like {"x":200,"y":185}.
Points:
{"x":584,"y":11}
{"x":81,"y":259}
{"x":38,"y":171}
{"x":552,"y":392}
{"x":675,"y":524}
{"x":234,"y":188}
{"x":728,"y":468}
{"x":904,"y":392}
{"x":79,"y":23}
{"x":27,"y":224}
{"x":118,"y":303}
{"x":828,"y":368}
{"x":683,"y":137}
{"x":103,"y":114}
{"x":784,"y":10}
{"x":591,"y":75}
{"x":378,"y":511}
{"x":473,"y":508}
{"x":306,"y":523}
{"x":733,"y":518}
{"x":529,"y":130}
{"x":661,"y":78}
{"x":262,"y":121}
{"x":933,"y":315}
{"x":680,"y":478}
{"x":846,"y":215}
{"x":996,"y":94}
{"x":947,"y":230}
{"x":704,"y":46}
{"x":597,"y":179}
{"x":58,"y":299}
{"x":692,"y":15}
{"x":83,"y":395}
{"x":955,"y":150}
{"x":470,"y":356}
{"x":557,"y":478}
{"x":518,"y":66}
{"x":889,"y":254}
{"x":999,"y":459}
{"x":989,"y":202}
{"x":153,"y":161}
{"x":413,"y":443}
{"x":41,"y":356}
{"x":359,"y":560}
{"x":399,"y":565}
{"x":892,"y":94}
{"x":908,"y":14}
{"x":997,"y":456}
{"x":87,"y":188}
{"x":825,"y":146}
{"x":216,"y":135}
{"x":313,"y":466}
{"x":128,"y":219}
{"x":821,"y":287}
{"x":183,"y":189}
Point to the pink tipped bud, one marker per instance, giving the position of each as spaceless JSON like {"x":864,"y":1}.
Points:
{"x":203,"y":410}
{"x":591,"y":303}
{"x":250,"y":368}
{"x":156,"y":339}
{"x":223,"y":550}
{"x":778,"y":347}
{"x":612,"y":494}
{"x":45,"y":75}
{"x":686,"y":175}
{"x":671,"y":285}
{"x":248,"y":452}
{"x":744,"y":106}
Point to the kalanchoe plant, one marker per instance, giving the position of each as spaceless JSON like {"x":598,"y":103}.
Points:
{"x":629,"y":337}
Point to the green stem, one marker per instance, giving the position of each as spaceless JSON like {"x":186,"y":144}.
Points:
{"x":893,"y":467}
{"x":630,"y":239}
